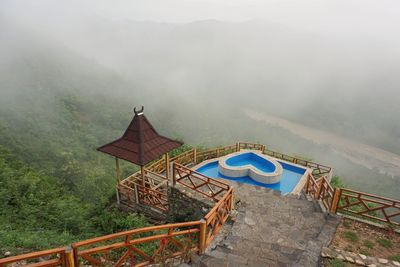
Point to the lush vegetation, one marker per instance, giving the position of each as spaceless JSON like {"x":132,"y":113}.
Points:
{"x":37,"y":211}
{"x":55,"y":188}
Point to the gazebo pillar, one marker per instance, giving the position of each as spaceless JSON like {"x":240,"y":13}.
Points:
{"x":167,"y":165}
{"x":117,"y":170}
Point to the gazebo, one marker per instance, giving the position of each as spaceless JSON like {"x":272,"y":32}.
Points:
{"x":140,"y":144}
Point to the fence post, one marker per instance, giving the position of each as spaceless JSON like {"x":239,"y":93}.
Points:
{"x":195,"y":155}
{"x":217,"y":152}
{"x":237,"y":147}
{"x":319,"y":189}
{"x":69,"y":257}
{"x":307,"y":183}
{"x":173,"y":174}
{"x":202,"y":236}
{"x":335,"y":200}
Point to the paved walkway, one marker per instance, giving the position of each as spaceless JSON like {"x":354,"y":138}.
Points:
{"x":270,"y":230}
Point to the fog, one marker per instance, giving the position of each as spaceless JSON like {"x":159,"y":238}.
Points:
{"x":201,"y":67}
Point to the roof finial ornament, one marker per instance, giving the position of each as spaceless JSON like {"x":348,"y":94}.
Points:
{"x":138,"y":112}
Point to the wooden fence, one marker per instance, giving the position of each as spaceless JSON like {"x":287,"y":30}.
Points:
{"x":354,"y":204}
{"x":140,"y":247}
{"x":211,"y":188}
{"x":185,"y":158}
{"x":45,"y":258}
{"x":319,"y":170}
{"x":218,"y":215}
{"x":369,"y":207}
{"x":154,"y":193}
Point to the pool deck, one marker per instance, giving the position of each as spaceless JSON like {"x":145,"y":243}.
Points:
{"x":267,"y":229}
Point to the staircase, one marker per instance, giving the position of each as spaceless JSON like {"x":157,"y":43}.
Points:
{"x":270,"y":230}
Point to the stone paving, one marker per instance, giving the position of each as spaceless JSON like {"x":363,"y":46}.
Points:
{"x":270,"y":230}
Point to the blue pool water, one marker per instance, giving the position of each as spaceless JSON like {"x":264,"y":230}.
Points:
{"x":289,"y":179}
{"x":251,"y":159}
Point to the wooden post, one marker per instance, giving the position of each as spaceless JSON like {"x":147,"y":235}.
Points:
{"x":307,"y":183}
{"x":136,"y":194}
{"x":69,"y":257}
{"x":173,"y":174}
{"x":167,"y":165}
{"x":202,"y":236}
{"x":118,"y":200}
{"x":319,"y":189}
{"x":195,"y":155}
{"x":335,"y":200}
{"x":237,"y":147}
{"x":117,"y":170}
{"x":218,"y":152}
{"x":142,"y":174}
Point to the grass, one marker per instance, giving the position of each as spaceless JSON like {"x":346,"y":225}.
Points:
{"x":351,"y":236}
{"x":395,"y":258}
{"x":369,"y":244}
{"x":336,"y":263}
{"x":386,"y":243}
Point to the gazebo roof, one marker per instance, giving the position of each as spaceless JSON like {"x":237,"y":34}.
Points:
{"x":140,"y":143}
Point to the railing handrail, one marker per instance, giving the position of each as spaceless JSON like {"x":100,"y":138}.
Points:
{"x":183,"y":154}
{"x":370,"y":195}
{"x":318,"y":165}
{"x":134,"y":231}
{"x":210,"y":213}
{"x":203,"y":177}
{"x":32,"y":255}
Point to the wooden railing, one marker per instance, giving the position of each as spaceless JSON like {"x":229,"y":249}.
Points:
{"x":140,"y":247}
{"x":211,"y":188}
{"x":203,"y":155}
{"x":154,"y":193}
{"x":325,"y":193}
{"x":45,"y":258}
{"x":319,"y":170}
{"x":159,"y":166}
{"x":252,"y":146}
{"x":358,"y":205}
{"x":370,"y":207}
{"x":311,"y":188}
{"x":218,"y":215}
{"x":185,"y":158}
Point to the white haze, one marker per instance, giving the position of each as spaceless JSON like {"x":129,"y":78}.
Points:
{"x":329,"y":65}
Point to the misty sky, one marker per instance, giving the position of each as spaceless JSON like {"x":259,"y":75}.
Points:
{"x":345,"y":16}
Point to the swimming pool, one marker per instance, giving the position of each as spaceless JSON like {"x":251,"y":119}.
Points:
{"x":291,"y":176}
{"x":257,"y":166}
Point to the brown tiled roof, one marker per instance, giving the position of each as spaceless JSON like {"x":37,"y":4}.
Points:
{"x":140,"y":143}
